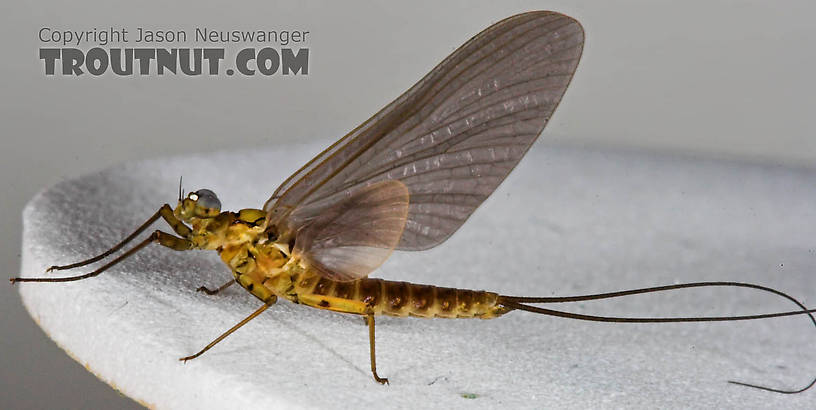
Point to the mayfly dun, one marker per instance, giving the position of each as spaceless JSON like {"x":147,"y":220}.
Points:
{"x":406,"y":179}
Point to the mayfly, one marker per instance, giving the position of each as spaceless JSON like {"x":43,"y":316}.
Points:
{"x":405,"y":179}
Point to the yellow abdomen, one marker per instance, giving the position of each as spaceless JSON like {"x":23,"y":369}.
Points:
{"x":382,"y":297}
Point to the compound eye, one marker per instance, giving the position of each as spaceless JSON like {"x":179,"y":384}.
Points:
{"x":206,"y":199}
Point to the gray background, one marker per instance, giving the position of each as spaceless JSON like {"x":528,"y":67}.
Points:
{"x":722,"y":79}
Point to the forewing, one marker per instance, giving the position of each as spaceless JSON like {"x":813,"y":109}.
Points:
{"x":356,"y":235}
{"x":451,"y":138}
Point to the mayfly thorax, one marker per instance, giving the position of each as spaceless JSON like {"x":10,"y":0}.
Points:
{"x":406,"y":179}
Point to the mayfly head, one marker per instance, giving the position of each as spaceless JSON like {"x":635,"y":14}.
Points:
{"x":199,"y":204}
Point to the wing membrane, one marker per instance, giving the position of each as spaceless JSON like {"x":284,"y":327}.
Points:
{"x":355,"y":236}
{"x":451,"y":138}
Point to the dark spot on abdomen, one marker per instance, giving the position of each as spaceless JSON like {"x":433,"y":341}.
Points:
{"x":422,"y":296}
{"x":323,"y":286}
{"x":446,"y":298}
{"x":344,"y":290}
{"x":370,"y":291}
{"x":465,"y":300}
{"x":396,"y":295}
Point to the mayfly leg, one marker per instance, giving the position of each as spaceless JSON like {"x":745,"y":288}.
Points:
{"x":162,"y":238}
{"x":254,"y":314}
{"x":370,"y":320}
{"x":165,"y":212}
{"x":219,"y":289}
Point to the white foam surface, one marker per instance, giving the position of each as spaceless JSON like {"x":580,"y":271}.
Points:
{"x":567,"y":221}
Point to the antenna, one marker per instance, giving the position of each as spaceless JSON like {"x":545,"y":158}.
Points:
{"x":181,"y":192}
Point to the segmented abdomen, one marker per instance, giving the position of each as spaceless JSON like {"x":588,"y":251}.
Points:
{"x":405,"y":299}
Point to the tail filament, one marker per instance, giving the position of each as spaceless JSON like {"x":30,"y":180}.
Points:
{"x":522,"y":303}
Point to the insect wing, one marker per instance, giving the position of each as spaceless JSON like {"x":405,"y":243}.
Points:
{"x":355,"y":236}
{"x":453,"y":137}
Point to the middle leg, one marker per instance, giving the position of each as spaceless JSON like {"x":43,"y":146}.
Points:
{"x":232,"y":329}
{"x":219,"y":289}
